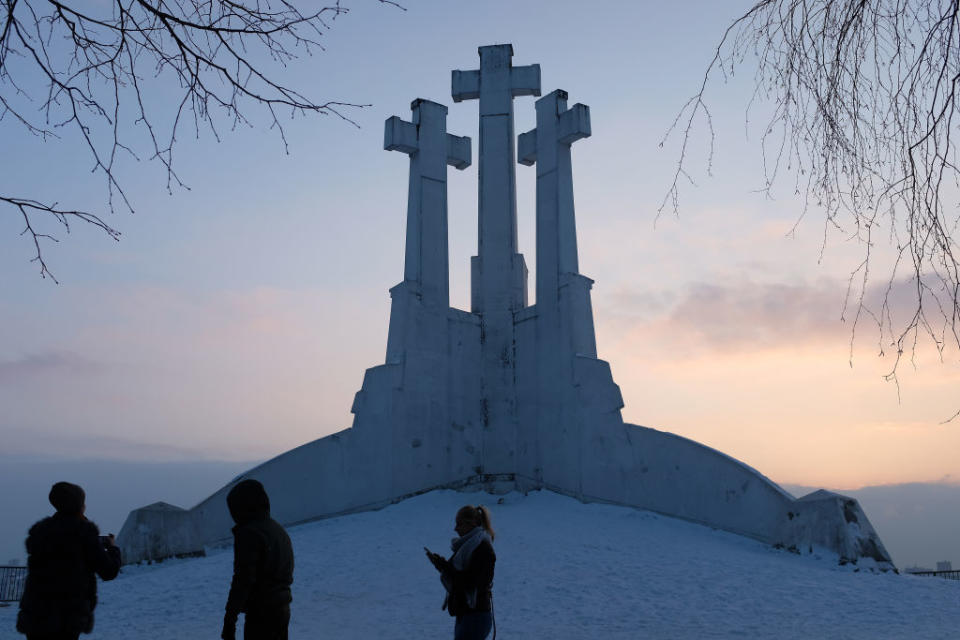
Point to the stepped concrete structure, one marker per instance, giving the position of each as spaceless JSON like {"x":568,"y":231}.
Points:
{"x":508,"y":396}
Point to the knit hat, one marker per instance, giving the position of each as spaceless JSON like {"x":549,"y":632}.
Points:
{"x":67,"y":498}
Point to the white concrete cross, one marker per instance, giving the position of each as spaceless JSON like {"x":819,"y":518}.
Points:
{"x":495,"y":84}
{"x":548,"y":146}
{"x":431,"y":149}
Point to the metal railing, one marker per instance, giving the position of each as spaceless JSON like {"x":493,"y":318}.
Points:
{"x":12,"y":581}
{"x":949,"y":575}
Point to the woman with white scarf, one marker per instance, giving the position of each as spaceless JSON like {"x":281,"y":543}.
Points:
{"x":468,"y":574}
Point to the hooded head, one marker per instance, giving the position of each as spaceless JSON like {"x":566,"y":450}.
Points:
{"x":248,"y":501}
{"x":67,"y":498}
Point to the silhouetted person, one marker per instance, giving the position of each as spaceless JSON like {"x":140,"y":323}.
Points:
{"x":64,"y":552}
{"x":468,"y":574}
{"x":262,"y":567}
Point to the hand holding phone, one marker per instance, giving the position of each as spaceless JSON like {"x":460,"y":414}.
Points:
{"x":435,"y":559}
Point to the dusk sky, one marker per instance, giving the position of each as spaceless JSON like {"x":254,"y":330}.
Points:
{"x":235,"y":320}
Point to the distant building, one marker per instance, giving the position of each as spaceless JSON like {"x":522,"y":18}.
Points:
{"x":945,"y":565}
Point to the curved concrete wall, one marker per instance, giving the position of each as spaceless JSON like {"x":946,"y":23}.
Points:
{"x":654,"y":470}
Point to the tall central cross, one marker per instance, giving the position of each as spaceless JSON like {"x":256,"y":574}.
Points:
{"x":495,"y":84}
{"x":498,"y":272}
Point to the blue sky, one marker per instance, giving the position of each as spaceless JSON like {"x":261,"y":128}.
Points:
{"x":235,"y":320}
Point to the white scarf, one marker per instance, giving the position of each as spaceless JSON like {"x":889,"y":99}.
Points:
{"x":463,"y":548}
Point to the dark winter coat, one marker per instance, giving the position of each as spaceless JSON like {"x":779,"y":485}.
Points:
{"x":65,"y":556}
{"x":478,"y":575}
{"x":262,"y":556}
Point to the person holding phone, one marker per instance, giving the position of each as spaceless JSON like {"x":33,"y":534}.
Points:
{"x":65,"y":554}
{"x":467,"y":575}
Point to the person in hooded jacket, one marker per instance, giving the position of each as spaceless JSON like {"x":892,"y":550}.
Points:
{"x":468,"y":574}
{"x":262,"y":567}
{"x":65,"y":554}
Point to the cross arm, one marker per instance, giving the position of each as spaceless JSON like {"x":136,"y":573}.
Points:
{"x":574,"y":124}
{"x":525,"y":81}
{"x":458,"y":151}
{"x":399,"y":135}
{"x":527,"y":148}
{"x":465,"y":85}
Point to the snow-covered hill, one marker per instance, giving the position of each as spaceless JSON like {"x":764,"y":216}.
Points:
{"x":564,"y":570}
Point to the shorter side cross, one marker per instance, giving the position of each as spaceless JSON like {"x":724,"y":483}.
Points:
{"x":548,"y":146}
{"x":431,"y":149}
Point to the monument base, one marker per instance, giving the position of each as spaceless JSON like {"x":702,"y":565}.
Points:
{"x":683,"y":479}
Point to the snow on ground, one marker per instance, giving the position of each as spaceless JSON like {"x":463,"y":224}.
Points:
{"x":564,"y":570}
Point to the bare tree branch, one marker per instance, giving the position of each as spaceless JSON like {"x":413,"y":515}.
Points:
{"x":864,"y":97}
{"x":87,"y":67}
{"x":27,"y":207}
